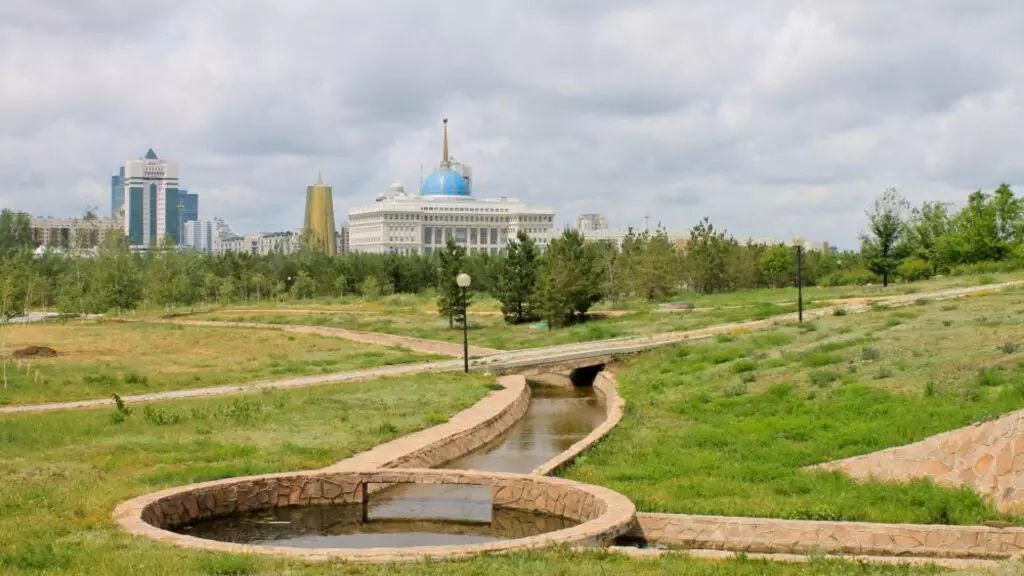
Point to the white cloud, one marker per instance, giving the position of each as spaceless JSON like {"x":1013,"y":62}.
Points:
{"x":772,"y":118}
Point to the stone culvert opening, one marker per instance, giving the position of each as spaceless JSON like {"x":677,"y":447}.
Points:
{"x":602,"y":514}
{"x":585,"y":375}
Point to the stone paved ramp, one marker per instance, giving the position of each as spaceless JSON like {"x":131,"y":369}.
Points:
{"x":500,"y":360}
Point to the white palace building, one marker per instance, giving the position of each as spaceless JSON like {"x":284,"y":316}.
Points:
{"x":402,"y":223}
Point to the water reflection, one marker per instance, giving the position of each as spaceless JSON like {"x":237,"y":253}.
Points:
{"x":428,"y":515}
{"x":341,"y":526}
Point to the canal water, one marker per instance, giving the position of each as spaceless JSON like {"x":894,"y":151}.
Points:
{"x":433,"y":515}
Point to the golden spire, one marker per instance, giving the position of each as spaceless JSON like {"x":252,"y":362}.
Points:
{"x":444,"y":154}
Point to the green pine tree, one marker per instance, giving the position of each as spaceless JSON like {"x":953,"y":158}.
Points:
{"x":517,"y":280}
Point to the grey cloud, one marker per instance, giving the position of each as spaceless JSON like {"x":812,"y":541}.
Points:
{"x":772,"y":118}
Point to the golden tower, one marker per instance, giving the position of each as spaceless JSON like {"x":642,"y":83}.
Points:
{"x":320,"y":217}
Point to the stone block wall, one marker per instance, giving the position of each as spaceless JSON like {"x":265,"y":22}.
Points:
{"x":987,"y":457}
{"x":807,"y":536}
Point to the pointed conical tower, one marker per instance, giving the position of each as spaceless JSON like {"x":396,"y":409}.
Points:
{"x":319,"y":226}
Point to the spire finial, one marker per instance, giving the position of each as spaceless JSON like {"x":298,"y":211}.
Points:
{"x":444,"y":154}
{"x":319,"y":178}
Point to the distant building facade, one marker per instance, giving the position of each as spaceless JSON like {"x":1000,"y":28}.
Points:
{"x":117,"y":194}
{"x":588,"y":222}
{"x":65,"y":233}
{"x":342,"y":239}
{"x":259,"y":243}
{"x":198,"y":236}
{"x":151,"y":201}
{"x":190,"y":205}
{"x":319,"y":223}
{"x":401,"y":223}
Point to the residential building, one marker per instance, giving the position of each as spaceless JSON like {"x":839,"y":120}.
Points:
{"x":151,"y":200}
{"x":402,"y":223}
{"x":342,"y":238}
{"x":319,"y":222}
{"x":259,"y":243}
{"x":588,"y":222}
{"x":67,"y":233}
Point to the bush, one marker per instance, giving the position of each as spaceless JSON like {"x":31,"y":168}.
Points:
{"x":1008,"y":347}
{"x":736,"y":390}
{"x":748,"y":377}
{"x":840,"y":312}
{"x":744,"y":365}
{"x":914,"y":269}
{"x":883,"y":373}
{"x":868,"y":354}
{"x":931,"y":389}
{"x":990,"y":376}
{"x":856,"y":277}
{"x":822,"y":378}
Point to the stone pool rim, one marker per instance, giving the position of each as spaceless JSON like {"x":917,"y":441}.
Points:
{"x":610,"y":513}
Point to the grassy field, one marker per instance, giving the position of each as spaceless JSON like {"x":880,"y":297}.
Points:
{"x":410,"y":315}
{"x":726,"y":426}
{"x":97,"y":359}
{"x":65,"y":472}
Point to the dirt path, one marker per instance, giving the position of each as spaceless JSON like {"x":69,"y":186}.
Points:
{"x":415,"y":344}
{"x":538,"y":355}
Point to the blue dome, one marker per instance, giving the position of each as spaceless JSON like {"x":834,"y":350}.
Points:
{"x":445,"y":182}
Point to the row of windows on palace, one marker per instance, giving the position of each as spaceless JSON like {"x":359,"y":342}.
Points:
{"x":451,"y":218}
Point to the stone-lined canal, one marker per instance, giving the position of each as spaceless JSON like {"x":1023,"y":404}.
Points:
{"x":432,"y":515}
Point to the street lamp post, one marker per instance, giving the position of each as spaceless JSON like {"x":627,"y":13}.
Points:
{"x":463,"y":280}
{"x":798,"y":244}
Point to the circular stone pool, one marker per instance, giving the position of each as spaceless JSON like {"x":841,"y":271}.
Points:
{"x":344,"y":526}
{"x":577,"y":514}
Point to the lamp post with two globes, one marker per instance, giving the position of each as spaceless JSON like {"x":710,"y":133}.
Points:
{"x":798,"y":244}
{"x":463,"y":280}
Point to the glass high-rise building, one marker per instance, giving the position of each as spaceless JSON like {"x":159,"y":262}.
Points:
{"x":151,"y":201}
{"x":116,"y":193}
{"x":191,"y":205}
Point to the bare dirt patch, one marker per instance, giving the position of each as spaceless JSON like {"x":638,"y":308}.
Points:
{"x":35,"y":352}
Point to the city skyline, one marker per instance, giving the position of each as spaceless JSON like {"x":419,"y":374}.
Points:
{"x":793,"y":123}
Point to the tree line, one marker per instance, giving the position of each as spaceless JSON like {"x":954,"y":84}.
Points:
{"x":557,"y":286}
{"x":916,"y":243}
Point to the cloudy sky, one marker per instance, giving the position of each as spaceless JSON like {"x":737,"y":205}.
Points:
{"x":771,"y":117}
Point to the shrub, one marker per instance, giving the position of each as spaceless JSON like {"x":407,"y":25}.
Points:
{"x":736,"y":390}
{"x":819,"y":359}
{"x":387,"y":429}
{"x":135,"y":378}
{"x":744,"y":365}
{"x":1008,"y":347}
{"x":868,"y":354}
{"x":822,"y":378}
{"x":931,"y":389}
{"x":914,"y":269}
{"x":947,"y":323}
{"x":892,"y":321}
{"x":972,"y":394}
{"x":748,"y":377}
{"x":990,"y":376}
{"x":161,"y":417}
{"x":883,"y":373}
{"x":840,"y":312}
{"x":121,"y":410}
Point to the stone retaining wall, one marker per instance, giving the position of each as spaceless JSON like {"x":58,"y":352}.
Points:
{"x":607,"y":388}
{"x":987,"y":457}
{"x":770,"y":535}
{"x":603,"y":514}
{"x":463,"y":433}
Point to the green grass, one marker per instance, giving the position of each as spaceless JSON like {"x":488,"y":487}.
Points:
{"x":411,"y":315}
{"x":698,"y":439}
{"x":65,"y":472}
{"x":98,"y":359}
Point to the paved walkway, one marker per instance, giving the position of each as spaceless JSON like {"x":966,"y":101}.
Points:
{"x":499,"y":359}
